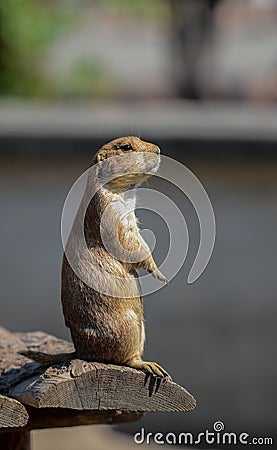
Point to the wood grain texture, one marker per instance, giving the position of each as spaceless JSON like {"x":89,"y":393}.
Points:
{"x":15,"y":367}
{"x":12,"y":413}
{"x":81,"y":385}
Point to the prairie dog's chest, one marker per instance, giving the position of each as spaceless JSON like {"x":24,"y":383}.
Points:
{"x":124,"y":207}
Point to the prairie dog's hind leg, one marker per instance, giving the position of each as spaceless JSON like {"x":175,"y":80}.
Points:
{"x":148,"y":366}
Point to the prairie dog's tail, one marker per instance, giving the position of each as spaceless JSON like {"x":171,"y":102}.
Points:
{"x":46,"y":359}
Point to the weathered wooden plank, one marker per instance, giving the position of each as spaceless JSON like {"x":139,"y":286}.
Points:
{"x":11,"y":343}
{"x":82,"y":385}
{"x":12,"y":413}
{"x":15,"y":367}
{"x":79,"y":384}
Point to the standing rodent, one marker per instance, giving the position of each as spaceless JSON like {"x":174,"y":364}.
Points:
{"x":109,"y":328}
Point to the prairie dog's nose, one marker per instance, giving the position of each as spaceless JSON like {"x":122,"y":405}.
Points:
{"x":157,"y":149}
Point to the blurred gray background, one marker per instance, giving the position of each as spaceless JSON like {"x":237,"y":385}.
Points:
{"x":199,"y":78}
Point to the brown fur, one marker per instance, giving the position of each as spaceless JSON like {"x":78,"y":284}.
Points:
{"x":104,"y":328}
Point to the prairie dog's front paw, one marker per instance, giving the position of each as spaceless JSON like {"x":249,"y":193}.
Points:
{"x":159,"y":276}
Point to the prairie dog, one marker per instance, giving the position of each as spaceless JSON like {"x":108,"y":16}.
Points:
{"x":110,"y":328}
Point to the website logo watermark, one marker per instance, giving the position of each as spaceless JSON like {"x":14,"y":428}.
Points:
{"x":217,"y":436}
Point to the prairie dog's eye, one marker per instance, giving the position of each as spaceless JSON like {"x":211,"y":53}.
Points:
{"x":126,"y":147}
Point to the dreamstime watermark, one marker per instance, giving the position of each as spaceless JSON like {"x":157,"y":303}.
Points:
{"x":207,"y":437}
{"x":99,"y":176}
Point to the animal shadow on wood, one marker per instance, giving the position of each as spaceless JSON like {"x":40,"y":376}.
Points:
{"x":14,"y":376}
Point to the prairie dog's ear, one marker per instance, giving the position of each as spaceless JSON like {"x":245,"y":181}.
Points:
{"x":101,"y":156}
{"x":98,"y":157}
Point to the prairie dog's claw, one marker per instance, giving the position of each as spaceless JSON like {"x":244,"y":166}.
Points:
{"x":159,"y":276}
{"x":150,"y":367}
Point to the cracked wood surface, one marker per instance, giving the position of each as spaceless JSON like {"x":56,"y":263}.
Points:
{"x":82,"y":385}
{"x":105,"y":392}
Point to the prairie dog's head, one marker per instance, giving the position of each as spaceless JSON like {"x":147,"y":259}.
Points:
{"x":127,"y":161}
